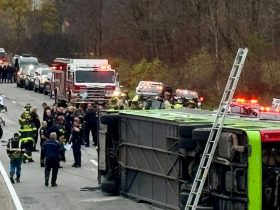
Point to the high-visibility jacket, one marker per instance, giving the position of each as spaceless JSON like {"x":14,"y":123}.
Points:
{"x":24,"y":118}
{"x":15,"y":149}
{"x":27,"y":133}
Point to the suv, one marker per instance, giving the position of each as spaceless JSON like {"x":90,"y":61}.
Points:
{"x":42,"y":78}
{"x":25,"y":64}
{"x":149,"y":88}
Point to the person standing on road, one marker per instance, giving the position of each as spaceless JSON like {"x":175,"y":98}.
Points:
{"x":43,"y":136}
{"x":36,"y":122}
{"x":69,"y":119}
{"x":48,"y":118}
{"x":91,"y":124}
{"x":76,"y":140}
{"x":52,"y":151}
{"x":15,"y":151}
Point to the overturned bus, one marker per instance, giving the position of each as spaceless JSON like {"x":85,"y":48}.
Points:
{"x":153,"y":156}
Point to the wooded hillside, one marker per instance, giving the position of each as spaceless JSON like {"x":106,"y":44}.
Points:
{"x":184,"y":43}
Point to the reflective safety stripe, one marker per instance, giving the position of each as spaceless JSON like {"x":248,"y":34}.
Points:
{"x":27,"y":139}
{"x":25,"y":130}
{"x":14,"y":149}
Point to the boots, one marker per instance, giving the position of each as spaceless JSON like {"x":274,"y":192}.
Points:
{"x":12,"y":180}
{"x":18,"y":179}
{"x":46,"y":181}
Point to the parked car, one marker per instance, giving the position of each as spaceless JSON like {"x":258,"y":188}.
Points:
{"x":42,"y":77}
{"x":29,"y":79}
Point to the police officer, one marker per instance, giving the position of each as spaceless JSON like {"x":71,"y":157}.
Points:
{"x":43,"y":136}
{"x":15,"y":151}
{"x":69,"y":119}
{"x":76,"y":139}
{"x":52,"y":149}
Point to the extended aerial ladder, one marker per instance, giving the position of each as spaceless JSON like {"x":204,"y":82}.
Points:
{"x":215,"y":133}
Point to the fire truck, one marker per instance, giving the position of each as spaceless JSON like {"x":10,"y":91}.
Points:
{"x":83,"y":80}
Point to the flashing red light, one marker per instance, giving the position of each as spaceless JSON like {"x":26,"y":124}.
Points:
{"x":201,"y":98}
{"x":254,"y":101}
{"x":240,"y":100}
{"x":267,"y":109}
{"x":270,"y":136}
{"x":262,"y":108}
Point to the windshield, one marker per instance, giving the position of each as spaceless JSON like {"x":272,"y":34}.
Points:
{"x":2,"y":55}
{"x":24,"y":70}
{"x":95,"y":76}
{"x":29,"y":63}
{"x":45,"y":72}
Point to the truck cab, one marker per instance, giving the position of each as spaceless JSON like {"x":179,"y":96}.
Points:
{"x":86,"y":80}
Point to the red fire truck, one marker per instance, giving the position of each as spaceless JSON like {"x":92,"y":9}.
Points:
{"x":83,"y":80}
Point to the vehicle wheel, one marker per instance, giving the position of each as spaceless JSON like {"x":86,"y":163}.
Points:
{"x":109,"y":185}
{"x":187,"y":143}
{"x":30,"y":87}
{"x":109,"y":119}
{"x":35,"y":88}
{"x":45,"y":91}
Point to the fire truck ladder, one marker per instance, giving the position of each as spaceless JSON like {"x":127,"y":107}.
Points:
{"x":216,"y":130}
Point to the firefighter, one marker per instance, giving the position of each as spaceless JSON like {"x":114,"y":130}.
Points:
{"x":25,"y":114}
{"x":28,"y":132}
{"x":15,"y":151}
{"x":27,"y":137}
{"x":61,"y":136}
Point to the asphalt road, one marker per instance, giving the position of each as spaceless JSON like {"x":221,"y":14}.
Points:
{"x":68,"y":195}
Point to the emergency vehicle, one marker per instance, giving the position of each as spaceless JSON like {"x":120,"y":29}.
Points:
{"x":251,"y":108}
{"x":3,"y":56}
{"x":83,"y":80}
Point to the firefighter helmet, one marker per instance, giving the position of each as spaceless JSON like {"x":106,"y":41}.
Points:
{"x":27,"y":107}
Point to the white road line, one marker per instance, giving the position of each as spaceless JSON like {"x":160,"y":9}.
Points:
{"x":14,"y":102}
{"x":11,"y":188}
{"x":3,"y":96}
{"x":94,"y":162}
{"x":101,"y":199}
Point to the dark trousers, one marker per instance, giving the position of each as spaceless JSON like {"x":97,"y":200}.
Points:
{"x":42,"y":157}
{"x":15,"y":167}
{"x":35,"y":139}
{"x":93,"y":130}
{"x":77,"y":153}
{"x":51,"y":164}
{"x":28,"y":150}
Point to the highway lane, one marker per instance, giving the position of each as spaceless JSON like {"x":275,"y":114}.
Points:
{"x":68,"y":195}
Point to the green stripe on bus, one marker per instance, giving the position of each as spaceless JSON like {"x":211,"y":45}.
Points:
{"x":255,"y":171}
